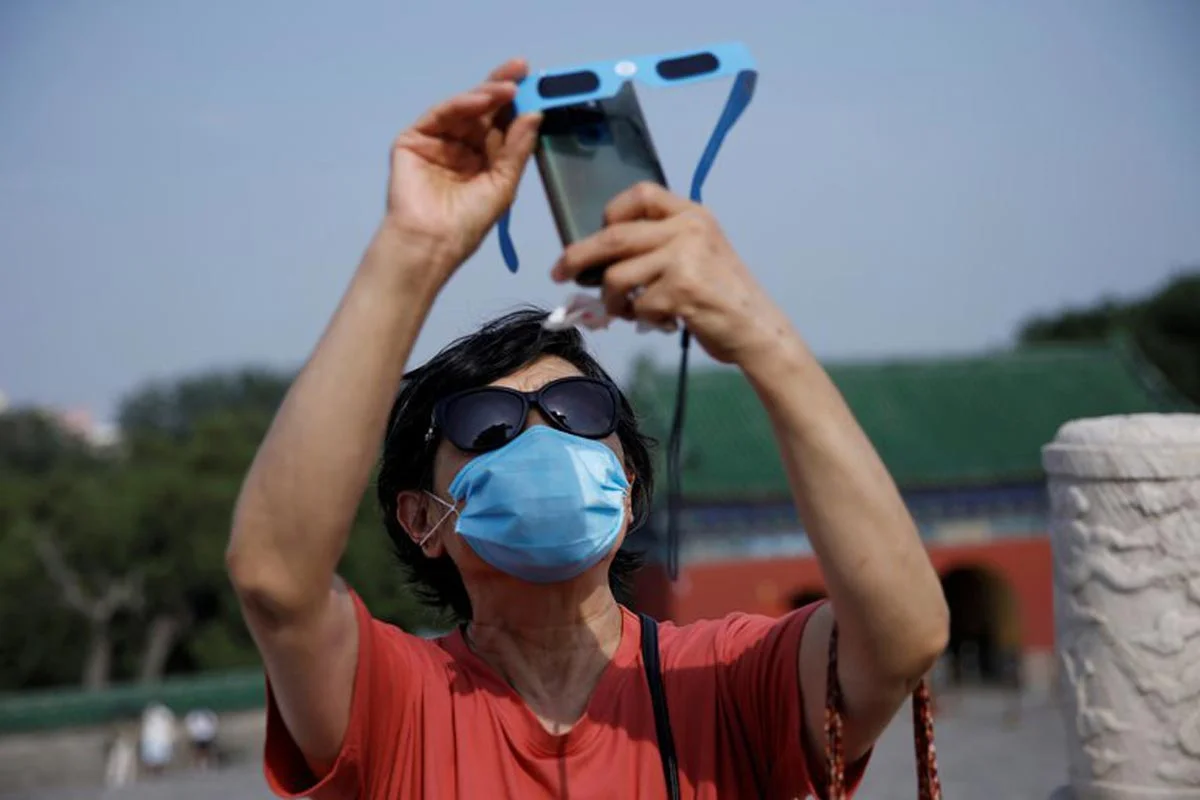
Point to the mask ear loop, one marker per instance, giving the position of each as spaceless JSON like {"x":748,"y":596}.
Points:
{"x":449,"y":510}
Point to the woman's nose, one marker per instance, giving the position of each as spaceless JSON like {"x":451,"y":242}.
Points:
{"x":535,"y":417}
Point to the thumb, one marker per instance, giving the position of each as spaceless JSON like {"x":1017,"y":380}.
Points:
{"x":519,"y":142}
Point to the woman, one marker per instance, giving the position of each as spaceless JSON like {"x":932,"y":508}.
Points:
{"x":513,"y":471}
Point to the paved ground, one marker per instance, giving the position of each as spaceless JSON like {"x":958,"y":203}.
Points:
{"x":981,"y":758}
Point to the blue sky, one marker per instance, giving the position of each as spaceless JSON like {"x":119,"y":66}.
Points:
{"x":184,"y":186}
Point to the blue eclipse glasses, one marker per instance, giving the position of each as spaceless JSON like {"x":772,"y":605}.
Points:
{"x":600,"y":80}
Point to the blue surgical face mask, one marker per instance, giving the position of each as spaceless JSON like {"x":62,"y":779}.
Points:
{"x":544,"y":508}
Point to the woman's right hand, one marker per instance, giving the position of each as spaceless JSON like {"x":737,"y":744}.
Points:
{"x":456,"y":170}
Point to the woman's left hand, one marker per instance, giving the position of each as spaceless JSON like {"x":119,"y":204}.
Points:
{"x":669,"y":260}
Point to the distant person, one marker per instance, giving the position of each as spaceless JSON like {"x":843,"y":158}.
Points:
{"x":121,"y":762}
{"x":512,"y":472}
{"x":157,"y":738}
{"x":201,"y":727}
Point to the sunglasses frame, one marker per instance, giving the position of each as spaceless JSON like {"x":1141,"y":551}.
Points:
{"x":529,"y":401}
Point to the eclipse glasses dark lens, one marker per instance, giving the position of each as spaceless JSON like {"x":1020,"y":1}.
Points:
{"x":674,"y":69}
{"x":568,"y":84}
{"x":490,"y":417}
{"x":585,"y":81}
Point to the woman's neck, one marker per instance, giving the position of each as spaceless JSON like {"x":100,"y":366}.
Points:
{"x":551,"y":643}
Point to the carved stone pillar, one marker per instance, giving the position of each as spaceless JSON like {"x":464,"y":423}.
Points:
{"x":1125,"y":530}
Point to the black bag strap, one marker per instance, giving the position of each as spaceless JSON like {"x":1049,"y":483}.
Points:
{"x":662,"y":722}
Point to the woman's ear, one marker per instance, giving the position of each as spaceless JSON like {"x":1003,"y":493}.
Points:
{"x":418,"y":515}
{"x":630,"y":476}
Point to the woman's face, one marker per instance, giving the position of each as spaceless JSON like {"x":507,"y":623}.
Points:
{"x":449,"y":460}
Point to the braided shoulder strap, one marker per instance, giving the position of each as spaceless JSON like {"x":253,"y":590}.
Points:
{"x":929,"y":786}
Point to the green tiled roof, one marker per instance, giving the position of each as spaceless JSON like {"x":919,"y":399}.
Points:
{"x":937,"y":422}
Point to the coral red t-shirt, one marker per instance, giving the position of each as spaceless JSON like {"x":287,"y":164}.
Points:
{"x":431,"y":719}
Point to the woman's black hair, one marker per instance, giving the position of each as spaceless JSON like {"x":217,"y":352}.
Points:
{"x":499,"y":348}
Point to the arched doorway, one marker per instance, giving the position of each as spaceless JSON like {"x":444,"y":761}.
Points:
{"x":985,"y":636}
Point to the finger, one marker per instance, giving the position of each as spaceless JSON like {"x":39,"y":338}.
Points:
{"x":466,"y":108}
{"x":609,"y":245}
{"x":519,"y":142}
{"x":655,"y":307}
{"x":662,"y":322}
{"x":512,"y":70}
{"x":645,"y":200}
{"x":616,"y":304}
{"x":623,"y":285}
{"x":668,"y":324}
{"x":627,"y":278}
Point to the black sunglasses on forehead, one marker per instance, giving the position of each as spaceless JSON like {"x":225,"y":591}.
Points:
{"x":489,"y":417}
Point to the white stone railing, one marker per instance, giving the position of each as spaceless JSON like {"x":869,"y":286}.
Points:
{"x":1125,"y":510}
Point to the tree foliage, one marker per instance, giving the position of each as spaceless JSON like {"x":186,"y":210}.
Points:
{"x":1164,"y":325}
{"x":112,"y":558}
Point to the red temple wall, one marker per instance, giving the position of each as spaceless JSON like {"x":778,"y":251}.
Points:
{"x":770,"y":586}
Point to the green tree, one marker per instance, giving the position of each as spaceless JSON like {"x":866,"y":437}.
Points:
{"x":205,"y":430}
{"x":64,"y":519}
{"x":188,"y":478}
{"x":1167,"y":329}
{"x":113,"y":559}
{"x":1165,"y":326}
{"x":33,"y":444}
{"x":174,"y":408}
{"x":43,"y":643}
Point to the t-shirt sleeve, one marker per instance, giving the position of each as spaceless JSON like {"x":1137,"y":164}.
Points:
{"x":761,"y":672}
{"x":388,"y":680}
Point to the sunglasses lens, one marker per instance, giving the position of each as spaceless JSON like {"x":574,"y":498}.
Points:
{"x":568,"y":84}
{"x":484,"y":420}
{"x":582,"y":407}
{"x":673,"y":69}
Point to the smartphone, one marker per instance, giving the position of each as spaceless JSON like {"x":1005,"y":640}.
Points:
{"x":589,"y":153}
